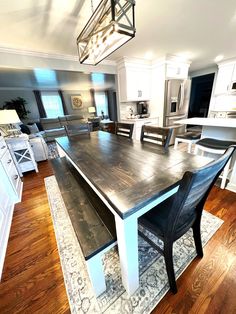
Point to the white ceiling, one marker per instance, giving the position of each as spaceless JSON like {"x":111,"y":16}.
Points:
{"x":197,"y":29}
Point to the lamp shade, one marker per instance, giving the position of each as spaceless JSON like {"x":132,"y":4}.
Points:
{"x":91,"y":109}
{"x":9,"y":117}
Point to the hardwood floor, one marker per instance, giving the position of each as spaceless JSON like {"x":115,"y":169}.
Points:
{"x":32,"y":280}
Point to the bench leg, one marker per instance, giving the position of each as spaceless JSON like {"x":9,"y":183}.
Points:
{"x":96,"y":274}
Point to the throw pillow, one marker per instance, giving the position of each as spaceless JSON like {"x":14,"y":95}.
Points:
{"x":33,"y":128}
{"x":24,"y":129}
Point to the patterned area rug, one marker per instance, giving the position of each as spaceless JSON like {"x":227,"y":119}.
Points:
{"x":153,"y":278}
{"x":52,"y":150}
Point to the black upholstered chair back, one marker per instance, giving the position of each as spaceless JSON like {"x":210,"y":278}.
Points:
{"x":191,"y":196}
{"x":124,"y":129}
{"x":160,"y":136}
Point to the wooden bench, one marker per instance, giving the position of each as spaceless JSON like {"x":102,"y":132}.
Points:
{"x":93,"y":223}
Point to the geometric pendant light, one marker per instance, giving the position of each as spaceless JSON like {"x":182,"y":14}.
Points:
{"x":109,"y":28}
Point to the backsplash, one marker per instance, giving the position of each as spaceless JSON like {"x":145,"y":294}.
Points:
{"x":125,"y":109}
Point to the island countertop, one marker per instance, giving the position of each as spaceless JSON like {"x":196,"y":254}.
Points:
{"x":216,"y":122}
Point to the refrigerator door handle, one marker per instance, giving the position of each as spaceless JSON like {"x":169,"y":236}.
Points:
{"x":181,"y":96}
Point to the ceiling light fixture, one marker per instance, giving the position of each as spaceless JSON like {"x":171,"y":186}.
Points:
{"x":219,"y":58}
{"x":109,"y":28}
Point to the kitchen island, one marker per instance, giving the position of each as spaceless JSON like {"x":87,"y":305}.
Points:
{"x":222,"y":129}
{"x":138,"y":123}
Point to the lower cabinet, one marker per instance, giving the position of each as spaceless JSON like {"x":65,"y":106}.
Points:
{"x":10,"y":193}
{"x":138,"y":123}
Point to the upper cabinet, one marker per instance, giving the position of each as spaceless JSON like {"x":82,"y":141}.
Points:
{"x":133,"y":81}
{"x":226,"y":74}
{"x":177,"y":70}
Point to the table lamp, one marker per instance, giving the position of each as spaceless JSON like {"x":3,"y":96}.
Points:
{"x":92,"y":110}
{"x":8,"y":118}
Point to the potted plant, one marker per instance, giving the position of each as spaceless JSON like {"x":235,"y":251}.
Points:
{"x":19,"y":105}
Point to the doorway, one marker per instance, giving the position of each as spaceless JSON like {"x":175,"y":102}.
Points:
{"x":200,"y":95}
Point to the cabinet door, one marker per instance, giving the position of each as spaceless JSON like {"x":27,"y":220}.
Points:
{"x":122,"y":85}
{"x":178,"y":71}
{"x":134,"y":84}
{"x":224,"y":78}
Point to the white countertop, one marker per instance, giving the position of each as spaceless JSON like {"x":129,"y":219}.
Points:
{"x":137,"y":119}
{"x":218,"y":122}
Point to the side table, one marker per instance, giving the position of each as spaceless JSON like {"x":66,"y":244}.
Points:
{"x":39,"y":147}
{"x":22,"y":154}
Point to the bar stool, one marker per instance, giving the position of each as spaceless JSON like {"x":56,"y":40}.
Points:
{"x":189,"y":138}
{"x":215,"y":146}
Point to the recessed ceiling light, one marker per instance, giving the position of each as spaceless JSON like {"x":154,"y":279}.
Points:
{"x":148,"y":55}
{"x":219,"y":58}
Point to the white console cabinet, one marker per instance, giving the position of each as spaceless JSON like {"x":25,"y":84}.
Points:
{"x":10,"y":193}
{"x":22,"y":154}
{"x":39,"y":147}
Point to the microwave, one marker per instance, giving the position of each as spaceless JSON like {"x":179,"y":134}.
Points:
{"x":233,"y":86}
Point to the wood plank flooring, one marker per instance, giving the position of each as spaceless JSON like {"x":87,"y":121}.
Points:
{"x":32,"y":279}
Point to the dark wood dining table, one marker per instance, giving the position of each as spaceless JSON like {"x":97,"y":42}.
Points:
{"x":131,"y":178}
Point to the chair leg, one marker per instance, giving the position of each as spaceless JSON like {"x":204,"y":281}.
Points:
{"x":189,"y":147}
{"x":196,"y":150}
{"x":168,"y":256}
{"x":176,"y":144}
{"x":197,"y":238}
{"x":225,"y":175}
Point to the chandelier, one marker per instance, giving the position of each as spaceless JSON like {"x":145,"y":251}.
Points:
{"x":109,"y":28}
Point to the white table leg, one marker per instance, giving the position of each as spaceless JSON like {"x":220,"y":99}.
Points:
{"x":127,"y":239}
{"x":96,"y":274}
{"x":60,"y":151}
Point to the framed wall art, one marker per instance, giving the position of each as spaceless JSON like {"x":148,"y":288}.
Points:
{"x":76,"y":102}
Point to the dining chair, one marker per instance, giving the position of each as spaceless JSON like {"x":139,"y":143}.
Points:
{"x":171,"y":219}
{"x":188,"y":137}
{"x":76,"y":129}
{"x":158,"y":135}
{"x":218,"y":147}
{"x":124,"y":129}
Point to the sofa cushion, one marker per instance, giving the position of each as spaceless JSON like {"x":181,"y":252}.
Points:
{"x":50,"y":123}
{"x":33,"y":128}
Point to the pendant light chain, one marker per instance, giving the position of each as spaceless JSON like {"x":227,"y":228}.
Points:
{"x":92,"y":7}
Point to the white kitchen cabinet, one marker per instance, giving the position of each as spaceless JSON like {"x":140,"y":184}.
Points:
{"x":10,"y":193}
{"x":134,"y":82}
{"x":224,"y":78}
{"x":177,"y":70}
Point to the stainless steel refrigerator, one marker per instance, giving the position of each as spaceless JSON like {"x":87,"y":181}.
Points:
{"x":177,"y":94}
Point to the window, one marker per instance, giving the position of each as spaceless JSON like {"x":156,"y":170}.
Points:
{"x":101,"y":103}
{"x":52,"y":104}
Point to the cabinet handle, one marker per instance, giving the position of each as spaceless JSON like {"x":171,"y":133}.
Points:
{"x":4,"y":146}
{"x":139,"y":93}
{"x":9,"y":161}
{"x":16,"y":177}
